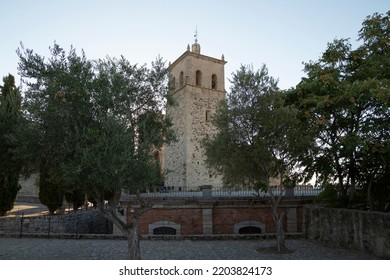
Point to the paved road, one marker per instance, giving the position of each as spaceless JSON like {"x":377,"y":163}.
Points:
{"x":28,"y":209}
{"x":92,"y":249}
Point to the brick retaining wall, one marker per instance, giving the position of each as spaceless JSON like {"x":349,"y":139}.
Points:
{"x":218,"y":217}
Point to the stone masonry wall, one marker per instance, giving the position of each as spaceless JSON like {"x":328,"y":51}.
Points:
{"x":86,"y":222}
{"x":185,"y":159}
{"x":366,"y":231}
{"x":175,"y":154}
{"x":199,"y":86}
{"x":29,"y":191}
{"x":203,"y":101}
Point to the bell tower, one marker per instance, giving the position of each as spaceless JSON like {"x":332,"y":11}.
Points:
{"x":198,"y":87}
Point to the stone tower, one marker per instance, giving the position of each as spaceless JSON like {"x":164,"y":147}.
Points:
{"x":198,"y":82}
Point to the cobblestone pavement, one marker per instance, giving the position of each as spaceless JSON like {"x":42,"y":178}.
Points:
{"x":97,"y":249}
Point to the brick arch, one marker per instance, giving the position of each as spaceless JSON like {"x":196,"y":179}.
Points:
{"x":248,"y":224}
{"x":164,"y":231}
{"x":157,"y":228}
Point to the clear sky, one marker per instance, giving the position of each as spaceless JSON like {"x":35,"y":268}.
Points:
{"x":280,"y":33}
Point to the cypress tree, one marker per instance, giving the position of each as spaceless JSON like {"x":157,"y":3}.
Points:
{"x":10,"y":143}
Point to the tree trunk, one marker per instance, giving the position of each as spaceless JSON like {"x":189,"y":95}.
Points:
{"x":129,"y":230}
{"x":369,"y":194}
{"x":133,"y":241}
{"x":280,"y":238}
{"x":278,"y":219}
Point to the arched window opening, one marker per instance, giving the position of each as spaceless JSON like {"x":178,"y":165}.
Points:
{"x":164,"y":227}
{"x":249,"y":230}
{"x":214,"y":81}
{"x":198,"y":78}
{"x":181,"y":79}
{"x":249,"y":227}
{"x":164,"y":231}
{"x":173,"y":83}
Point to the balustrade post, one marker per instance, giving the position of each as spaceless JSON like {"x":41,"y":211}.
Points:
{"x":206,"y":191}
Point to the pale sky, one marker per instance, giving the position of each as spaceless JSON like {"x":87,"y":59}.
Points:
{"x":280,"y":33}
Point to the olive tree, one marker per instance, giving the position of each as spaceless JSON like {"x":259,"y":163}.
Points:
{"x":100,"y":124}
{"x":258,"y":138}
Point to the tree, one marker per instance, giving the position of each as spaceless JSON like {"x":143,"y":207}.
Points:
{"x":55,"y":105}
{"x":75,"y":196}
{"x":128,"y":104}
{"x":258,"y":138}
{"x":344,"y":101}
{"x":11,"y":164}
{"x":50,"y":192}
{"x":99,"y":110}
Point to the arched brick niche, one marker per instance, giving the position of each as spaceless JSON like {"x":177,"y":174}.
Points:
{"x":249,"y":227}
{"x":164,"y":228}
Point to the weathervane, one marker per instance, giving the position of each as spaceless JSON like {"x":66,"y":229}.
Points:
{"x":196,"y":35}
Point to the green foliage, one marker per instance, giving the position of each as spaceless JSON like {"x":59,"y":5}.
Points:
{"x":50,"y":191}
{"x":344,"y":102}
{"x":100,"y":122}
{"x":329,"y":196}
{"x":258,"y":136}
{"x":11,"y":142}
{"x":76,"y":197}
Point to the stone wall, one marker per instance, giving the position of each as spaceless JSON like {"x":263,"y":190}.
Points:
{"x":188,"y":63}
{"x":85,"y":222}
{"x":203,"y":102}
{"x":185,"y":159}
{"x":366,"y":231}
{"x":29,"y":191}
{"x":199,"y":87}
{"x":175,"y":153}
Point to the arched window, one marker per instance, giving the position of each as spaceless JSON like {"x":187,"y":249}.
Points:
{"x":249,"y":227}
{"x":249,"y":230}
{"x":164,"y":231}
{"x":164,"y":228}
{"x":214,"y":81}
{"x":173,"y":83}
{"x":198,"y":78}
{"x":181,"y":79}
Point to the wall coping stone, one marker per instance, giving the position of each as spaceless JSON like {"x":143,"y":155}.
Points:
{"x":155,"y":237}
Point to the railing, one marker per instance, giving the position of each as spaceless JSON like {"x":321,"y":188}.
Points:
{"x":207,"y":191}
